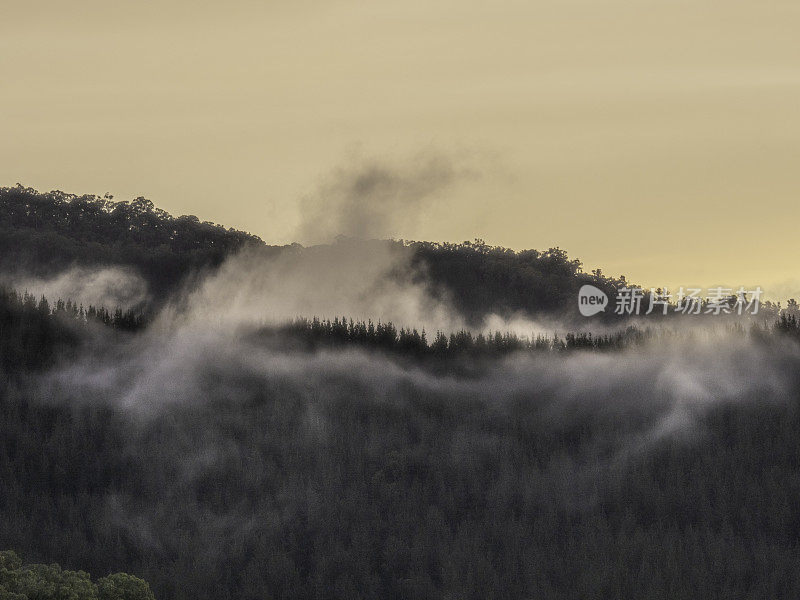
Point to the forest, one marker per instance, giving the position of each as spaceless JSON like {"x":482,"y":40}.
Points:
{"x":44,"y":233}
{"x":194,"y":444}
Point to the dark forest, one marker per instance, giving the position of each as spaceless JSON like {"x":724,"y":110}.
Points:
{"x":181,"y":446}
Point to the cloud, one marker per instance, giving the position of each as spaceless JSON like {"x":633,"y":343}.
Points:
{"x":374,"y":198}
{"x":110,"y":287}
{"x":354,"y":278}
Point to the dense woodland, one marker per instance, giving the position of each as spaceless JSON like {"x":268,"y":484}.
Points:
{"x":44,"y":233}
{"x":34,"y":334}
{"x":480,"y":279}
{"x":409,"y":491}
{"x":322,"y":459}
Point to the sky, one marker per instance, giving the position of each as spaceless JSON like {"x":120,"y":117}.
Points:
{"x":659,"y":139}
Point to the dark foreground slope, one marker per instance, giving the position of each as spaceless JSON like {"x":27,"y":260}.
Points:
{"x":216,"y":468}
{"x":269,"y":489}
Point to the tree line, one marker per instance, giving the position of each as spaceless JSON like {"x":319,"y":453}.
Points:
{"x":316,"y":333}
{"x":33,"y":333}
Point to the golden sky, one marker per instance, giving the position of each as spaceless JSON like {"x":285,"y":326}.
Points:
{"x":655,"y":138}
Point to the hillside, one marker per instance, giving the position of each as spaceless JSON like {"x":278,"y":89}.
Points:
{"x":44,"y":233}
{"x":219,"y":450}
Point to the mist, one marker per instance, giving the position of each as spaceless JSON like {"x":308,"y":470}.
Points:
{"x":205,"y":328}
{"x":226,"y":451}
{"x":111,"y":287}
{"x":373,"y":198}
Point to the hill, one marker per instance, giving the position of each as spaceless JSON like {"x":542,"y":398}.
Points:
{"x":44,"y":233}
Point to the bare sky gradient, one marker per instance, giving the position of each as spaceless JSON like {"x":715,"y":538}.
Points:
{"x":655,"y":138}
